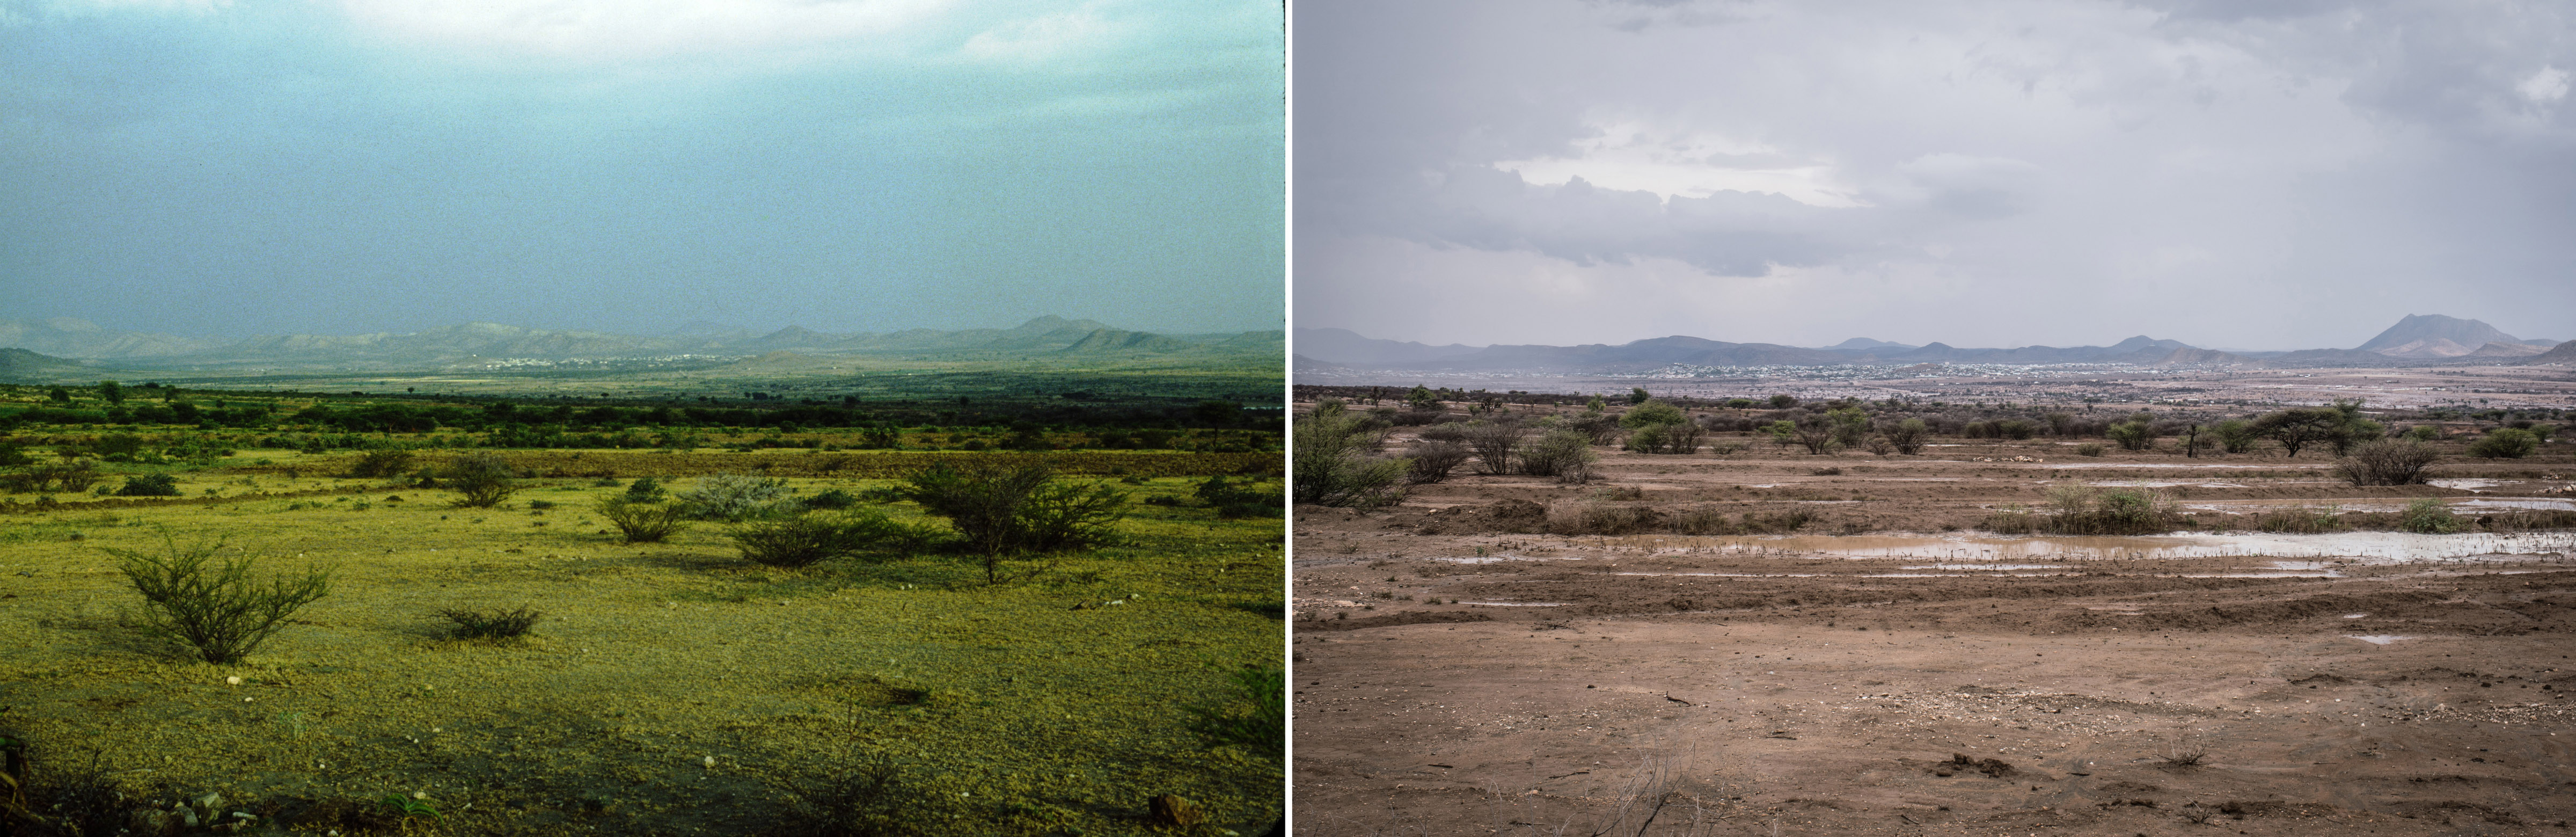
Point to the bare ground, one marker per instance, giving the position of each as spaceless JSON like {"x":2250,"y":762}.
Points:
{"x":1907,"y":680}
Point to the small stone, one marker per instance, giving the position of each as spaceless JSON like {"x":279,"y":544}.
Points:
{"x":710,"y":762}
{"x":210,"y":800}
{"x":232,"y":681}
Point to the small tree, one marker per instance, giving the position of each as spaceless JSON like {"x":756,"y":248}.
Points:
{"x":481,"y":480}
{"x":1813,"y":433}
{"x":1638,"y":395}
{"x":1908,"y":436}
{"x":381,"y":462}
{"x":1494,"y":441}
{"x":2299,"y":427}
{"x":1422,"y":400}
{"x":2235,"y":435}
{"x":1432,"y":460}
{"x":2132,"y":435}
{"x":734,"y":497}
{"x":218,"y":611}
{"x":112,"y":391}
{"x":814,"y":537}
{"x":1783,"y":401}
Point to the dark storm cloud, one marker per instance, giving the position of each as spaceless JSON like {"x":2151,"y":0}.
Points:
{"x":2266,"y":175}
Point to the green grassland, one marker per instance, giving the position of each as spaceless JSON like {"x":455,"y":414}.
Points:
{"x":1058,"y":702}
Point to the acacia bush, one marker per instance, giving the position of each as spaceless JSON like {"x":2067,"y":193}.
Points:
{"x":2387,"y":462}
{"x":1002,"y":509}
{"x":642,"y":522}
{"x":734,"y":497}
{"x":1432,"y":460}
{"x":1564,"y":454}
{"x":214,"y":607}
{"x":2235,"y":435}
{"x":381,"y":462}
{"x":150,"y":485}
{"x":2132,"y":435}
{"x":495,"y":624}
{"x":2505,"y":443}
{"x":1908,"y":436}
{"x":2084,"y":510}
{"x":811,"y":538}
{"x":1495,"y":441}
{"x":1334,"y":461}
{"x":481,"y":480}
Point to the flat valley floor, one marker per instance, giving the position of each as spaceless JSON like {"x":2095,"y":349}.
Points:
{"x":1460,"y":671}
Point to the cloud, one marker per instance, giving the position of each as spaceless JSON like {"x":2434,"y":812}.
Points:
{"x":2548,"y":85}
{"x":2129,"y":165}
{"x":613,"y":29}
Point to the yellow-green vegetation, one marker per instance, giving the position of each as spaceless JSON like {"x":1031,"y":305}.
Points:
{"x":670,"y":687}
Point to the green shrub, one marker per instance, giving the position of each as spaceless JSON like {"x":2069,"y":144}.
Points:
{"x":644,"y":490}
{"x":832,"y":499}
{"x":1908,"y":436}
{"x":2132,"y":435}
{"x":2089,"y":449}
{"x":216,"y":610}
{"x":734,"y":497}
{"x":498,"y":624}
{"x":1254,"y":716}
{"x":382,"y":462}
{"x":642,"y":522}
{"x":2235,"y":435}
{"x":1002,"y":509}
{"x":1334,"y":465}
{"x":811,"y":538}
{"x":2428,"y":516}
{"x":1233,"y":501}
{"x":150,"y":485}
{"x":481,"y":480}
{"x":2301,"y":521}
{"x":2505,"y":443}
{"x":1564,"y":454}
{"x":2083,"y":510}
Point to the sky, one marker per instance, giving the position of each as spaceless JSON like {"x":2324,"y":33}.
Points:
{"x":2252,"y":174}
{"x":227,"y":169}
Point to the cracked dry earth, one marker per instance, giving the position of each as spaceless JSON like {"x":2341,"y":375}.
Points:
{"x":1664,"y":685}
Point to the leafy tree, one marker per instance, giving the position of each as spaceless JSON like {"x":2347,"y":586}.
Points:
{"x":1783,"y":401}
{"x":1563,"y":454}
{"x":60,"y":395}
{"x":112,"y":391}
{"x":2235,"y":435}
{"x":1638,"y":395}
{"x":1848,"y":424}
{"x":1421,"y":399}
{"x":1650,"y":413}
{"x":1003,"y":509}
{"x":2299,"y":427}
{"x":482,"y":479}
{"x":1596,"y":404}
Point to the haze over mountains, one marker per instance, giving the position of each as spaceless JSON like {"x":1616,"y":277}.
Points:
{"x":483,"y":343}
{"x":2415,"y":339}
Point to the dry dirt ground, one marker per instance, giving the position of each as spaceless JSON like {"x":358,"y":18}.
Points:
{"x":1458,"y":670}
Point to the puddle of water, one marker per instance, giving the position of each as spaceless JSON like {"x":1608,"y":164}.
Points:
{"x":2378,"y":639}
{"x":2365,"y":547}
{"x":2471,"y":484}
{"x":2056,"y":466}
{"x":1517,"y":604}
{"x":2543,"y":505}
{"x":2356,"y":615}
{"x":2162,"y":484}
{"x":1991,"y":568}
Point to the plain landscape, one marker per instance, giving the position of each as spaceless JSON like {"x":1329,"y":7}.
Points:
{"x":2096,"y":595}
{"x":1005,"y":581}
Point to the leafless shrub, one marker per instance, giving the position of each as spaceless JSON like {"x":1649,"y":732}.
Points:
{"x":1433,"y":460}
{"x":1495,"y":440}
{"x":2387,"y":462}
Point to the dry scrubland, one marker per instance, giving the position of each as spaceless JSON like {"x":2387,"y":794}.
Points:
{"x":671,"y":687}
{"x":1842,"y":649}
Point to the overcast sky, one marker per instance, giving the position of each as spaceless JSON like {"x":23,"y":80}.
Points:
{"x":204,"y":167}
{"x":2258,"y":175}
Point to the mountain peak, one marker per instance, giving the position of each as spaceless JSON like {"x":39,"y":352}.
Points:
{"x":2426,"y":328}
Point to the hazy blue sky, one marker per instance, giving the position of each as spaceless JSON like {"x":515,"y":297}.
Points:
{"x":342,"y":166}
{"x":2236,"y":173}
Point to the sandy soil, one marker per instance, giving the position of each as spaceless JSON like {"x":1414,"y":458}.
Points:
{"x":1460,"y":670}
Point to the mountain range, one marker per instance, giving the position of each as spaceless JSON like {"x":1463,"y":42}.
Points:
{"x":64,"y":340}
{"x":2417,"y":338}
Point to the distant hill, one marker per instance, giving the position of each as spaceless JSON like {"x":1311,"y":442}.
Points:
{"x":1864,"y":344}
{"x":2434,"y":335}
{"x":1337,"y":345}
{"x":67,"y":337}
{"x":1107,"y":340}
{"x":2565,"y":353}
{"x":25,"y":367}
